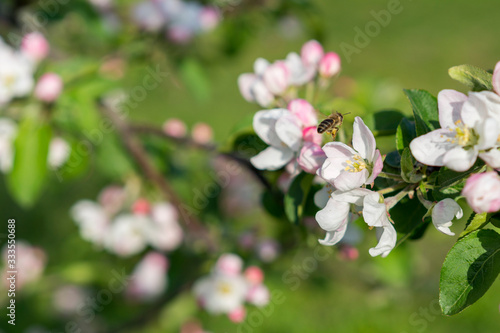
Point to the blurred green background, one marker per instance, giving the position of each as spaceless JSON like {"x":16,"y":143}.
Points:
{"x":396,"y":294}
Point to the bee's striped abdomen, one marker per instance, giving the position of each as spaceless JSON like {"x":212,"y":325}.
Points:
{"x":325,"y":125}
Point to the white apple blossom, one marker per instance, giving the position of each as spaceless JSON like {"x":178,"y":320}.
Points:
{"x":16,"y":74}
{"x":311,"y":53}
{"x":59,"y":151}
{"x":470,"y":127}
{"x":30,"y":264}
{"x":300,"y":73}
{"x":252,"y":86}
{"x":443,"y":213}
{"x":334,"y":218}
{"x":127,"y":235}
{"x":347,"y":168}
{"x":92,"y":221}
{"x":163,"y":229}
{"x":496,"y":78}
{"x":482,"y":191}
{"x":8,"y":132}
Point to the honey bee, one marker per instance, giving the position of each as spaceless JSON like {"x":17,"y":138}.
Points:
{"x":331,"y":124}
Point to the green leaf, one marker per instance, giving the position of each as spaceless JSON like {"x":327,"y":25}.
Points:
{"x":273,"y":203}
{"x":194,"y":77}
{"x":407,"y":216}
{"x":447,"y":177}
{"x":408,"y":171}
{"x":296,"y":196}
{"x":405,"y":133}
{"x":393,"y":159}
{"x":473,"y":77}
{"x":476,"y":221}
{"x":469,"y":269}
{"x":425,"y":110}
{"x":30,"y":162}
{"x":386,"y":122}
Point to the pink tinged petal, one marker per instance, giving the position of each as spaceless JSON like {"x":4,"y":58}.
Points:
{"x":480,"y":106}
{"x":311,"y":53}
{"x":245,"y":83}
{"x":304,"y":112}
{"x":363,"y":140}
{"x":488,"y":131}
{"x":350,"y":180}
{"x":443,"y":213}
{"x":374,"y":211}
{"x":329,"y":65}
{"x":229,"y":264}
{"x":264,"y":123}
{"x":333,"y":237}
{"x":378,"y":165}
{"x":260,"y":65}
{"x":310,"y":134}
{"x":387,"y":241}
{"x":482,"y":192}
{"x":272,"y":158}
{"x":289,"y":131}
{"x":338,"y":150}
{"x":333,"y":216}
{"x":261,"y":94}
{"x":459,"y":159}
{"x":431,"y":148}
{"x":496,"y":78}
{"x":450,"y":104}
{"x":237,"y":315}
{"x":276,"y":77}
{"x":491,"y":157}
{"x":311,"y":157}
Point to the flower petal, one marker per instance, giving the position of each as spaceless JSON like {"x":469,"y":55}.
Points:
{"x":346,"y":180}
{"x":459,"y":159}
{"x":304,"y":111}
{"x":322,"y":196}
{"x":289,"y":131}
{"x":378,"y":165}
{"x":387,"y":241}
{"x":496,"y":78}
{"x":260,"y":65}
{"x":443,"y":213}
{"x":430,"y":148}
{"x":272,"y":158}
{"x":261,"y":94}
{"x":363,"y":140}
{"x":450,"y":104}
{"x":354,"y":196}
{"x":264,"y":123}
{"x":333,"y":237}
{"x":479,"y":106}
{"x":374,"y":211}
{"x":333,"y":216}
{"x":245,"y":83}
{"x":491,"y":157}
{"x":488,"y":130}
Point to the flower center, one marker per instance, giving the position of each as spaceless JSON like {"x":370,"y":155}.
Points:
{"x":224,"y":288}
{"x":357,"y":164}
{"x":9,"y":80}
{"x":464,"y":136}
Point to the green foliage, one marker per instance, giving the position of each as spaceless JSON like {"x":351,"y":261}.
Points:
{"x":475,"y":222}
{"x":194,"y":77}
{"x":386,"y":122}
{"x":295,"y":198}
{"x":425,"y":110}
{"x":409,"y":173}
{"x":30,"y":162}
{"x":405,"y":133}
{"x":407,"y":217}
{"x":475,"y":78}
{"x":469,"y":270}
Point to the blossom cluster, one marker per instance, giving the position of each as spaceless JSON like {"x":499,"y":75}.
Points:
{"x":30,"y":263}
{"x":180,"y":20}
{"x":274,"y":82}
{"x":126,"y":227}
{"x":227,"y":288}
{"x":59,"y":149}
{"x":470,"y":128}
{"x":17,"y":79}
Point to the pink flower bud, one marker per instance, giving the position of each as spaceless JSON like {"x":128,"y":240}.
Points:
{"x":276,"y":77}
{"x":329,"y":65}
{"x":202,"y":133}
{"x":209,"y":18}
{"x":237,"y":315}
{"x":175,"y":127}
{"x":258,"y":295}
{"x":49,"y":87}
{"x":348,"y":252}
{"x":311,"y":53}
{"x":304,"y":112}
{"x":311,"y":157}
{"x":254,"y":275}
{"x":310,"y":134}
{"x":482,"y":191}
{"x":496,"y":78}
{"x":141,"y":207}
{"x":112,"y":199}
{"x":179,"y":34}
{"x":35,"y":46}
{"x":149,"y":278}
{"x":229,"y":264}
